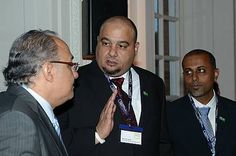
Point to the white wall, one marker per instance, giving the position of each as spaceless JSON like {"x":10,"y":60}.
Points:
{"x":19,"y":16}
{"x":223,"y":44}
{"x":138,"y":17}
{"x":11,"y":26}
{"x":142,"y":14}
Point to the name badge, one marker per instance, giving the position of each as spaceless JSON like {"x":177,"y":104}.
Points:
{"x":131,"y":135}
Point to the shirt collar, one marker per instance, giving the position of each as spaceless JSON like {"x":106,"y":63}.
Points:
{"x":43,"y":103}
{"x":125,"y":76}
{"x":211,"y":103}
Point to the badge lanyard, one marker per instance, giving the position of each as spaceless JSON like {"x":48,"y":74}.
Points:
{"x":198,"y":115}
{"x":118,"y":98}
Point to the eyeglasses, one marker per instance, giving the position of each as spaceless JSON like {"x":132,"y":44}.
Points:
{"x":74,"y":66}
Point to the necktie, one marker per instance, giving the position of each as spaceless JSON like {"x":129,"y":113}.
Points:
{"x":57,"y":127}
{"x":208,"y":127}
{"x":130,"y":117}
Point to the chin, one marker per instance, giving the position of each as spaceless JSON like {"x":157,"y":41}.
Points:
{"x":197,"y":94}
{"x":70,"y":96}
{"x":111,"y":72}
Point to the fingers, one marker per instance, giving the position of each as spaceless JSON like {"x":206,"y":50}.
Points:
{"x":105,"y":124}
{"x":110,"y":105}
{"x":113,"y":96}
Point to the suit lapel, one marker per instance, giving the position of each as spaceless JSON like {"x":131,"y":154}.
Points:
{"x":221,"y":121}
{"x":103,"y":85}
{"x":193,"y":134}
{"x":31,"y":107}
{"x":50,"y":130}
{"x":191,"y":120}
{"x":221,"y":134}
{"x":145,"y":100}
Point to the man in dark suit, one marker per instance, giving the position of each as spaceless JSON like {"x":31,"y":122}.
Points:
{"x":40,"y":77}
{"x":188,"y":131}
{"x":95,"y":127}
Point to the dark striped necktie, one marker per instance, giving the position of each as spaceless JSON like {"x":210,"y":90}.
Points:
{"x":130,"y":118}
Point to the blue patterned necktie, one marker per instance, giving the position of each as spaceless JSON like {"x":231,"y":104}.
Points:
{"x":208,"y":127}
{"x":57,"y":127}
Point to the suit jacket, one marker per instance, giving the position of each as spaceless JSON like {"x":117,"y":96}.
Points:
{"x":91,"y":95}
{"x":186,"y":133}
{"x":25,"y":128}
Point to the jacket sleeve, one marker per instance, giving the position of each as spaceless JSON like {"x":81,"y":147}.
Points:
{"x":166,"y":148}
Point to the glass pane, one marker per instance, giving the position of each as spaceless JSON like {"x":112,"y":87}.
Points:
{"x":156,"y":8}
{"x":169,"y":7}
{"x":157,"y":66}
{"x":156,"y":37}
{"x":165,"y":7}
{"x":166,"y":37}
{"x":172,"y":8}
{"x":167,"y":76}
{"x":169,"y":38}
{"x":173,"y":74}
{"x":156,"y":26}
{"x":172,"y":39}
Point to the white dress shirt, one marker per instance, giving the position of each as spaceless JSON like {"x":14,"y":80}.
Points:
{"x":212,"y":112}
{"x":43,"y":103}
{"x":136,"y":97}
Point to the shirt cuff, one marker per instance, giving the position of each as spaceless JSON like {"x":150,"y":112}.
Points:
{"x":100,"y":140}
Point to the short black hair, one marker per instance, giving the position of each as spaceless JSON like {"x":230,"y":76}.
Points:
{"x":202,"y":52}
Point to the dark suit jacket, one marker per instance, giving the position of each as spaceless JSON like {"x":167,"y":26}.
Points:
{"x":186,"y":133}
{"x":25,"y":128}
{"x":91,"y":95}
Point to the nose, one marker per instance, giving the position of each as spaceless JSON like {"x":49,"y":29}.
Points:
{"x":113,"y":50}
{"x":195,"y":76}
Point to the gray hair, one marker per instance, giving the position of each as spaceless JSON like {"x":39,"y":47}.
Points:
{"x":27,"y":55}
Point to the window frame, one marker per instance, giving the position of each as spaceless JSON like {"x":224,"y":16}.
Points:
{"x":173,"y":59}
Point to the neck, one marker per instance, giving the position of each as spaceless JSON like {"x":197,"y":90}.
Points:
{"x":205,"y":98}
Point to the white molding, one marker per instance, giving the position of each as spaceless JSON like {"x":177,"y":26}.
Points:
{"x":137,"y":13}
{"x":166,"y":17}
{"x":75,"y":29}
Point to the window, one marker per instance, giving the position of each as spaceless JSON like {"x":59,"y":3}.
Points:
{"x":167,"y":62}
{"x":94,"y":13}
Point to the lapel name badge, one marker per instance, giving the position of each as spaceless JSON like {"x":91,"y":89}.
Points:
{"x":131,"y":135}
{"x":145,"y":93}
{"x":222,"y":119}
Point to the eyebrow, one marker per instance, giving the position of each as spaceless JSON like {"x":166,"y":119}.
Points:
{"x":197,"y":67}
{"x":105,"y":38}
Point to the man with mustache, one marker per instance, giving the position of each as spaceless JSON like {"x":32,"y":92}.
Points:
{"x":190,"y":133}
{"x":120,"y":127}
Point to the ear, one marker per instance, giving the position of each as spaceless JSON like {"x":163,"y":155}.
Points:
{"x":217,"y":72}
{"x":136,"y":46}
{"x":48,"y":71}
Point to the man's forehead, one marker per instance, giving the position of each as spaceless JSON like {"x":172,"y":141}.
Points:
{"x":196,"y":61}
